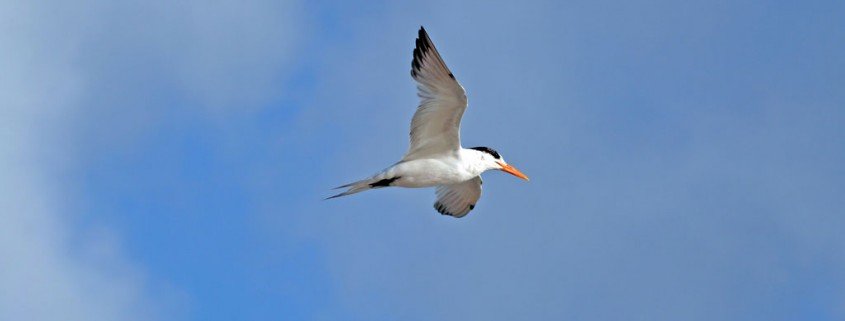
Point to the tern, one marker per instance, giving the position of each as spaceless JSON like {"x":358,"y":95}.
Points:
{"x":435,"y":157}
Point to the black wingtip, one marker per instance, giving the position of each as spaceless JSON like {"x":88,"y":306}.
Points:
{"x":440,"y":208}
{"x":420,"y":49}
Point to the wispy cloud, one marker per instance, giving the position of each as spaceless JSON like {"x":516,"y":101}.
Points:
{"x":83,"y":77}
{"x":685,"y":162}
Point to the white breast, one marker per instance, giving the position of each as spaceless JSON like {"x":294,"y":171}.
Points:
{"x":429,"y":172}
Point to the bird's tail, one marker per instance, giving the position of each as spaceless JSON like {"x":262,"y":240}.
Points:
{"x":352,"y":188}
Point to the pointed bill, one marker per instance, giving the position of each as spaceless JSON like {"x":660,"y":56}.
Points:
{"x":507,"y":168}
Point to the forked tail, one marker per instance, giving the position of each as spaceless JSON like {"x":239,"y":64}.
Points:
{"x":365,"y":184}
{"x":352,"y":188}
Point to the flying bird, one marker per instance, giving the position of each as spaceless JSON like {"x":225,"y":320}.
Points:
{"x":435,"y":156}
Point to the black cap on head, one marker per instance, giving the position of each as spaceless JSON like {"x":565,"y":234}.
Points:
{"x":488,"y":150}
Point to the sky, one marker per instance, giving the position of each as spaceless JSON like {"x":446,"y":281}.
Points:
{"x":168,"y":161}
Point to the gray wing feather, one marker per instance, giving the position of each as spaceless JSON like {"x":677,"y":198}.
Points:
{"x":435,"y":127}
{"x":458,"y":199}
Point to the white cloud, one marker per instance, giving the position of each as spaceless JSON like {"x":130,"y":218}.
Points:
{"x":67,"y":65}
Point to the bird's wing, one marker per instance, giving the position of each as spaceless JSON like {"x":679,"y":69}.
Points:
{"x":458,"y":199}
{"x":435,"y":128}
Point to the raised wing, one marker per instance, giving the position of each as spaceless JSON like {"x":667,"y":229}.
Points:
{"x":458,"y":199}
{"x":435,"y":128}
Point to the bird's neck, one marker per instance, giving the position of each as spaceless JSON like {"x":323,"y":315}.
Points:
{"x":473,"y":160}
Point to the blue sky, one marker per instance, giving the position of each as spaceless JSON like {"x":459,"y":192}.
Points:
{"x":168,"y":161}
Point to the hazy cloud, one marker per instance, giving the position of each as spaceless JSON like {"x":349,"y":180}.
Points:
{"x":78,"y":77}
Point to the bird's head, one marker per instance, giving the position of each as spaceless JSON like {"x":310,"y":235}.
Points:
{"x":491,"y":159}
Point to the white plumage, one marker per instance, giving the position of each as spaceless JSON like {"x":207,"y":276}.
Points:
{"x":435,"y":156}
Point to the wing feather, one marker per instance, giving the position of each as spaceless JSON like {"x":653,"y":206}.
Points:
{"x":435,"y":128}
{"x":458,"y":199}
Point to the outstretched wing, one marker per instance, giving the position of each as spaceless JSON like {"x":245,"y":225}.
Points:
{"x":435,"y":128}
{"x":458,"y":199}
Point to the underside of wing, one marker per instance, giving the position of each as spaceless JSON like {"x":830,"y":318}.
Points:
{"x":458,"y":199}
{"x":435,"y":127}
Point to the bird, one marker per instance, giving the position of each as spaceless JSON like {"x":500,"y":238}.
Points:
{"x":435,"y":157}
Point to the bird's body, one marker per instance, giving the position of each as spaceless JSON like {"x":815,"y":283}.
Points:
{"x":428,"y":172}
{"x":435,"y":156}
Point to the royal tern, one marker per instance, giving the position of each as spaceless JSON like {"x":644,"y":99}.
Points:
{"x":435,"y":156}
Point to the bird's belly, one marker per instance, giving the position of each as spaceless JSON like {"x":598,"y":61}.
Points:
{"x":428,"y":172}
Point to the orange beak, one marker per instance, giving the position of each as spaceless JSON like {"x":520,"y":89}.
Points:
{"x":513,"y":171}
